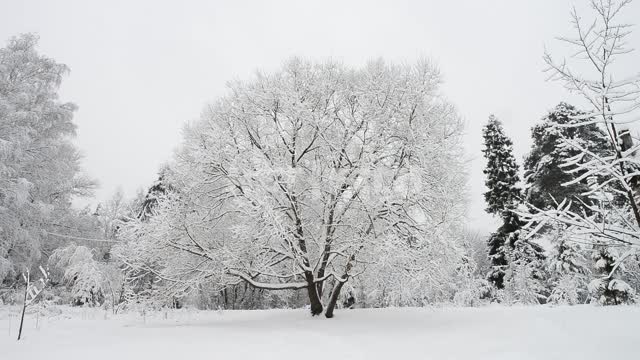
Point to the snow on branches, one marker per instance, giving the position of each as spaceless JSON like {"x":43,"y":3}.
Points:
{"x":303,"y":178}
{"x":606,"y":216}
{"x":39,"y":165}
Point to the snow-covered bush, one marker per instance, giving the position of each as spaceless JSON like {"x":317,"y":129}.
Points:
{"x":609,"y":288}
{"x":567,"y":267}
{"x":525,"y":276}
{"x":90,"y":282}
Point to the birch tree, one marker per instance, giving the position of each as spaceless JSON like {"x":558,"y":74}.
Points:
{"x":303,"y":178}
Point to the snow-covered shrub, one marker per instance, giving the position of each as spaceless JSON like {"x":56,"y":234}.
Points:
{"x":524,"y":281}
{"x":519,"y":286}
{"x":477,"y":292}
{"x":609,"y":289}
{"x":611,"y":292}
{"x":90,"y":281}
{"x":568,"y":289}
{"x":567,"y":267}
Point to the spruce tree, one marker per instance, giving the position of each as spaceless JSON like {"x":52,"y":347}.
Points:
{"x":501,"y":170}
{"x":502,"y":196}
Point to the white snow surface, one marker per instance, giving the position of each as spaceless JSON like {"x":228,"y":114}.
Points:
{"x":579,"y":332}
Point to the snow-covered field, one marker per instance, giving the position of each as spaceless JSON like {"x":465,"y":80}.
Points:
{"x":581,"y":332}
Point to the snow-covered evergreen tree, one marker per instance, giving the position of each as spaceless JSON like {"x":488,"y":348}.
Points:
{"x":159,"y":188}
{"x":502,"y":197}
{"x":526,"y":275}
{"x":501,"y":171}
{"x":544,"y":173}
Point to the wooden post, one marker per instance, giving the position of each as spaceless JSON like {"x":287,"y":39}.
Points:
{"x":24,"y":304}
{"x":31,"y":292}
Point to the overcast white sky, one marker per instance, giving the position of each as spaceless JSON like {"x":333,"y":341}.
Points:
{"x":140,"y":69}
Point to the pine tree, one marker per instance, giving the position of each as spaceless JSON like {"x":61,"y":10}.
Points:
{"x":501,"y":170}
{"x":544,"y":176}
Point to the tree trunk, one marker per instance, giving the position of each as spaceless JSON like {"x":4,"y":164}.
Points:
{"x":314,"y":299}
{"x":334,"y":300}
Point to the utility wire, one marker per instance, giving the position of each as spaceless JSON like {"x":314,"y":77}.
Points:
{"x":81,"y":238}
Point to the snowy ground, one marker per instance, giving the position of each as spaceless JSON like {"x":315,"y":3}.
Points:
{"x":582,"y":332}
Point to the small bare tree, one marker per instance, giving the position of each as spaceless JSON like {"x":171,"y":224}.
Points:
{"x":31,"y":292}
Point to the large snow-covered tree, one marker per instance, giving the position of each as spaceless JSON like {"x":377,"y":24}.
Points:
{"x":544,"y":172}
{"x":502,"y":197}
{"x":39,"y":165}
{"x":305,"y":178}
{"x":513,"y":259}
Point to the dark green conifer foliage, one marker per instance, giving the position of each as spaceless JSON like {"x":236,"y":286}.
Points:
{"x":501,"y":171}
{"x":502,"y":197}
{"x":544,"y":175}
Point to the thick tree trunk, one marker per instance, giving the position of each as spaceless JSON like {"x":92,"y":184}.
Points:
{"x":335,"y":294}
{"x":314,"y":299}
{"x":336,"y":290}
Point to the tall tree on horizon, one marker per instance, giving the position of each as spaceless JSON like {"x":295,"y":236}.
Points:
{"x":501,"y":170}
{"x":502,"y":197}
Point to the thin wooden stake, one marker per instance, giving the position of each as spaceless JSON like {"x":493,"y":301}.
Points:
{"x":24,"y":305}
